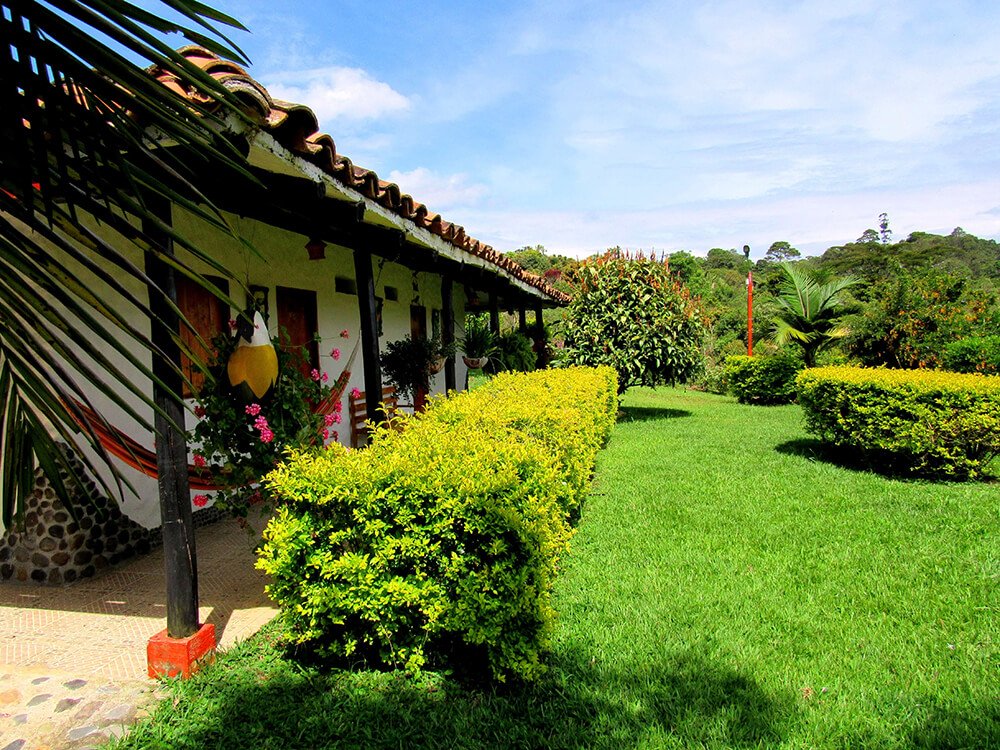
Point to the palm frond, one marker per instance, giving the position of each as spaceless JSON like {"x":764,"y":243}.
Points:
{"x":76,"y":119}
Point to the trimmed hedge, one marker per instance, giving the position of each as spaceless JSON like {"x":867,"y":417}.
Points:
{"x":439,"y":543}
{"x":766,"y":379}
{"x":919,"y":421}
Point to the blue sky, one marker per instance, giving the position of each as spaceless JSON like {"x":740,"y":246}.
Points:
{"x":664,"y":125}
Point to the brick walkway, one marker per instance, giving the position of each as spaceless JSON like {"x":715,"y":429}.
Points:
{"x":74,"y":658}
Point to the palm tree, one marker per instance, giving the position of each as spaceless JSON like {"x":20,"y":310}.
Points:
{"x":89,"y":139}
{"x":810,"y":310}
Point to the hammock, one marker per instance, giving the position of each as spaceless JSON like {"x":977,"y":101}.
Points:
{"x":142,"y":459}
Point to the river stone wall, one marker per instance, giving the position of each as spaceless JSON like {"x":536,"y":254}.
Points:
{"x":52,"y":548}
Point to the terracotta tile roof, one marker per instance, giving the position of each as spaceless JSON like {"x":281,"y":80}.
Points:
{"x":295,"y":126}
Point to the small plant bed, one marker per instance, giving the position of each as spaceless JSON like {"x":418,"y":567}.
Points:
{"x":722,"y":591}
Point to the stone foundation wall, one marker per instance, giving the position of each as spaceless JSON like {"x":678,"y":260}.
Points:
{"x":52,"y":548}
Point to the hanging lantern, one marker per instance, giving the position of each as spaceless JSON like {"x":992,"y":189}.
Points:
{"x":254,"y":362}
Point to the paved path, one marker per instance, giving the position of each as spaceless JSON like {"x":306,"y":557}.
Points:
{"x":73,"y":668}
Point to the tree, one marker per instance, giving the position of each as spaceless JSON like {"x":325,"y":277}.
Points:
{"x":809,"y":312}
{"x":781,"y":252}
{"x":719,"y":258}
{"x":631,"y":313}
{"x":537,"y":260}
{"x":78,"y":139}
{"x":884,"y":233}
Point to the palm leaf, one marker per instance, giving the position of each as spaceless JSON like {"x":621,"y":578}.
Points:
{"x":75,"y":124}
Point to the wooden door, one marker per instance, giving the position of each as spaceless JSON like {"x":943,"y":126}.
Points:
{"x":297,"y":323}
{"x":209,"y":316}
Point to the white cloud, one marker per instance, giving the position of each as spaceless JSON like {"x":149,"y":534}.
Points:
{"x":440,"y":193}
{"x":811,"y":223}
{"x":338,"y":93}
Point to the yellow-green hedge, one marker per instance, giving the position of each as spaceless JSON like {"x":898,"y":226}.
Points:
{"x":439,"y":543}
{"x":921,"y":421}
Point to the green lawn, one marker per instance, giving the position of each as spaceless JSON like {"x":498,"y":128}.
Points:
{"x":727,"y":588}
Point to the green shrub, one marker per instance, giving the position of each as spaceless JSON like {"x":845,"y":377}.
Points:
{"x":439,"y":543}
{"x":515,"y":353}
{"x":977,"y":354}
{"x":763,"y":379}
{"x":936,"y":423}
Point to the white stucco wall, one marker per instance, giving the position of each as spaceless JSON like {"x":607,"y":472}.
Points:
{"x":283,"y":262}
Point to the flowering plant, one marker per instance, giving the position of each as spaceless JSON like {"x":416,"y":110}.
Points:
{"x":239,"y":442}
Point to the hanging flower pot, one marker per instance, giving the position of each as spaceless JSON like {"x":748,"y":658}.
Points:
{"x":475,"y":363}
{"x":437,"y":366}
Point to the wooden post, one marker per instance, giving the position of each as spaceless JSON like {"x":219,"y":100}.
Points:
{"x":522,"y":319}
{"x":538,"y":315}
{"x":180,"y":560}
{"x":448,"y":331}
{"x":494,"y":312}
{"x":369,"y":334}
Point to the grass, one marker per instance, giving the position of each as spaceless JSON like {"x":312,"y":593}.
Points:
{"x":727,"y":588}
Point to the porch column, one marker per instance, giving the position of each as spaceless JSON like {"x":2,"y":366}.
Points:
{"x":369,"y":334}
{"x":522,"y":320}
{"x":494,"y":312}
{"x":448,"y":331}
{"x":180,"y":560}
{"x":538,"y":314}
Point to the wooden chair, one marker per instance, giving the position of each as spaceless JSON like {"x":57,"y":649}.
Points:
{"x":358,"y":408}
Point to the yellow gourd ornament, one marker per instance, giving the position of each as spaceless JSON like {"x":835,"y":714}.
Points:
{"x":254,"y":363}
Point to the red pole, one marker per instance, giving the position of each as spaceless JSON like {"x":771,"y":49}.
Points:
{"x":750,"y":313}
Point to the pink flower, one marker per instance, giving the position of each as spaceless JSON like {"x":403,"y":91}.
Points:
{"x":324,"y":377}
{"x":232,"y":324}
{"x":328,"y":419}
{"x":325,"y":433}
{"x":253,"y":410}
{"x":345,"y":334}
{"x":337,"y":418}
{"x":199,"y":411}
{"x":261,"y":422}
{"x":335,"y":354}
{"x":266,"y":436}
{"x":335,"y":435}
{"x":355,"y":393}
{"x":199,"y":460}
{"x":314,"y":374}
{"x":200,"y":501}
{"x":338,"y":407}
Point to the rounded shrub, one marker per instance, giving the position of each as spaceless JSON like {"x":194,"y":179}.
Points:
{"x":975,"y":354}
{"x":768,"y":379}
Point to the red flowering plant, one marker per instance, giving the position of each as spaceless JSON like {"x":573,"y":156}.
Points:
{"x":239,"y":439}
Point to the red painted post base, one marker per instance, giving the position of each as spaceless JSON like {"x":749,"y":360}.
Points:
{"x":169,"y":657}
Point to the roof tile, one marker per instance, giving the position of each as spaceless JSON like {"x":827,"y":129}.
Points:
{"x":295,"y":126}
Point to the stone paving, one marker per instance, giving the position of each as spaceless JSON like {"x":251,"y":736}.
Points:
{"x":73,"y":669}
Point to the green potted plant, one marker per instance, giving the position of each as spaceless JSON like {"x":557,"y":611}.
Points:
{"x":408,"y":365}
{"x":479,"y":342}
{"x":443,"y":352}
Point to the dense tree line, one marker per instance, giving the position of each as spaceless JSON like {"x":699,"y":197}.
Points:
{"x":914,"y":302}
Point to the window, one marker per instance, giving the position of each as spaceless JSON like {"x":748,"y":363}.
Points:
{"x":344,"y":285}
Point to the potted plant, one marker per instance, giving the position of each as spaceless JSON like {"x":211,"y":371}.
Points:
{"x":443,"y":352}
{"x":479,"y":342}
{"x":408,"y":364}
